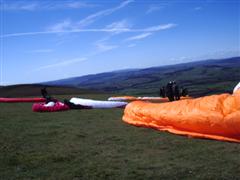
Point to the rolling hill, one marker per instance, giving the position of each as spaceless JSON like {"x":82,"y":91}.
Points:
{"x":201,"y":78}
{"x":34,"y":90}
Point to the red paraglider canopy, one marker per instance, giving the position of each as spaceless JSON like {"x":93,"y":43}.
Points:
{"x":57,"y":106}
{"x":16,"y":100}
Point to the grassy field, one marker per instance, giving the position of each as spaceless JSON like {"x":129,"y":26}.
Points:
{"x":96,"y":144}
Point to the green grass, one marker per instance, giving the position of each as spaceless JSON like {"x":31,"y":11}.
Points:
{"x":97,"y":144}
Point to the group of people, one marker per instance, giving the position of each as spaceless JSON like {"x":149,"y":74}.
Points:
{"x":172,"y":91}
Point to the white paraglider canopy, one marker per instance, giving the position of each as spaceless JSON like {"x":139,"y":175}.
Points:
{"x":97,"y":104}
{"x":237,"y":87}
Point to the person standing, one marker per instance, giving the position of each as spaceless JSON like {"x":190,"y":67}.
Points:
{"x":170,"y":91}
{"x":46,"y":95}
{"x":162,"y":92}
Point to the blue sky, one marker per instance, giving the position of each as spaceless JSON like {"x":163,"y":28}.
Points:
{"x":44,"y":40}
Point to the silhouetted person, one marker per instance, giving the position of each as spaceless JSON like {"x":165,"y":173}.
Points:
{"x":46,"y":95}
{"x":176,"y":92}
{"x":170,"y":91}
{"x":162,"y":92}
{"x":184,"y":92}
{"x":44,"y":92}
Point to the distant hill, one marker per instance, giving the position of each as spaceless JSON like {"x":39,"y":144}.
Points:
{"x":201,"y":77}
{"x":34,"y":90}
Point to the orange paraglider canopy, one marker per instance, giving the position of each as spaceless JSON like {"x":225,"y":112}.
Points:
{"x":215,"y":117}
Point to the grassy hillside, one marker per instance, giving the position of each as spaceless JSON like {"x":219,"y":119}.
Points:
{"x":96,"y":144}
{"x":35,"y":90}
{"x":201,"y":78}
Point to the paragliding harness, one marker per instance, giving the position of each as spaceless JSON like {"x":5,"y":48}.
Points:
{"x":46,"y":95}
{"x":172,"y":91}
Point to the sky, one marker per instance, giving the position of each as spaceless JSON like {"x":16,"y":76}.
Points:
{"x":44,"y":40}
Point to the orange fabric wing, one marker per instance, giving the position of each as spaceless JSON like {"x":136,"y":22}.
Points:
{"x":215,"y":117}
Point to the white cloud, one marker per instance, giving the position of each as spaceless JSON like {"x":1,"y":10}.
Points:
{"x":67,"y":25}
{"x":131,"y":45}
{"x":41,"y":51}
{"x":160,"y":27}
{"x":119,"y":26}
{"x":103,"y":47}
{"x":59,"y":29}
{"x":183,"y":58}
{"x":211,"y":55}
{"x":78,"y":4}
{"x":22,"y":5}
{"x":220,"y":54}
{"x":197,"y":8}
{"x":153,"y":8}
{"x":61,"y":64}
{"x":29,"y":7}
{"x":93,"y":17}
{"x":149,"y":31}
{"x":138,"y":37}
{"x":100,"y":48}
{"x":62,"y":26}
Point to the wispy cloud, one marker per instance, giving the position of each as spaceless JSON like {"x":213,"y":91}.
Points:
{"x":100,"y":14}
{"x":149,"y":31}
{"x":131,"y":45}
{"x":103,"y":47}
{"x":20,"y":6}
{"x":100,"y":48}
{"x":153,"y":8}
{"x":67,"y":25}
{"x":197,"y":8}
{"x":61,"y":64}
{"x":210,"y":55}
{"x":41,"y":51}
{"x":62,"y":26}
{"x":138,"y":37}
{"x":109,"y":30}
{"x":160,"y":27}
{"x":93,"y":17}
{"x":120,"y":26}
{"x":43,"y":5}
{"x":78,"y":4}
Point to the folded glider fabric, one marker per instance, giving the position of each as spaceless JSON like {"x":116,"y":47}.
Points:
{"x":92,"y":104}
{"x":132,"y":98}
{"x":159,"y":99}
{"x":215,"y":117}
{"x":50,"y":107}
{"x":76,"y":106}
{"x":16,"y":100}
{"x":122,"y":98}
